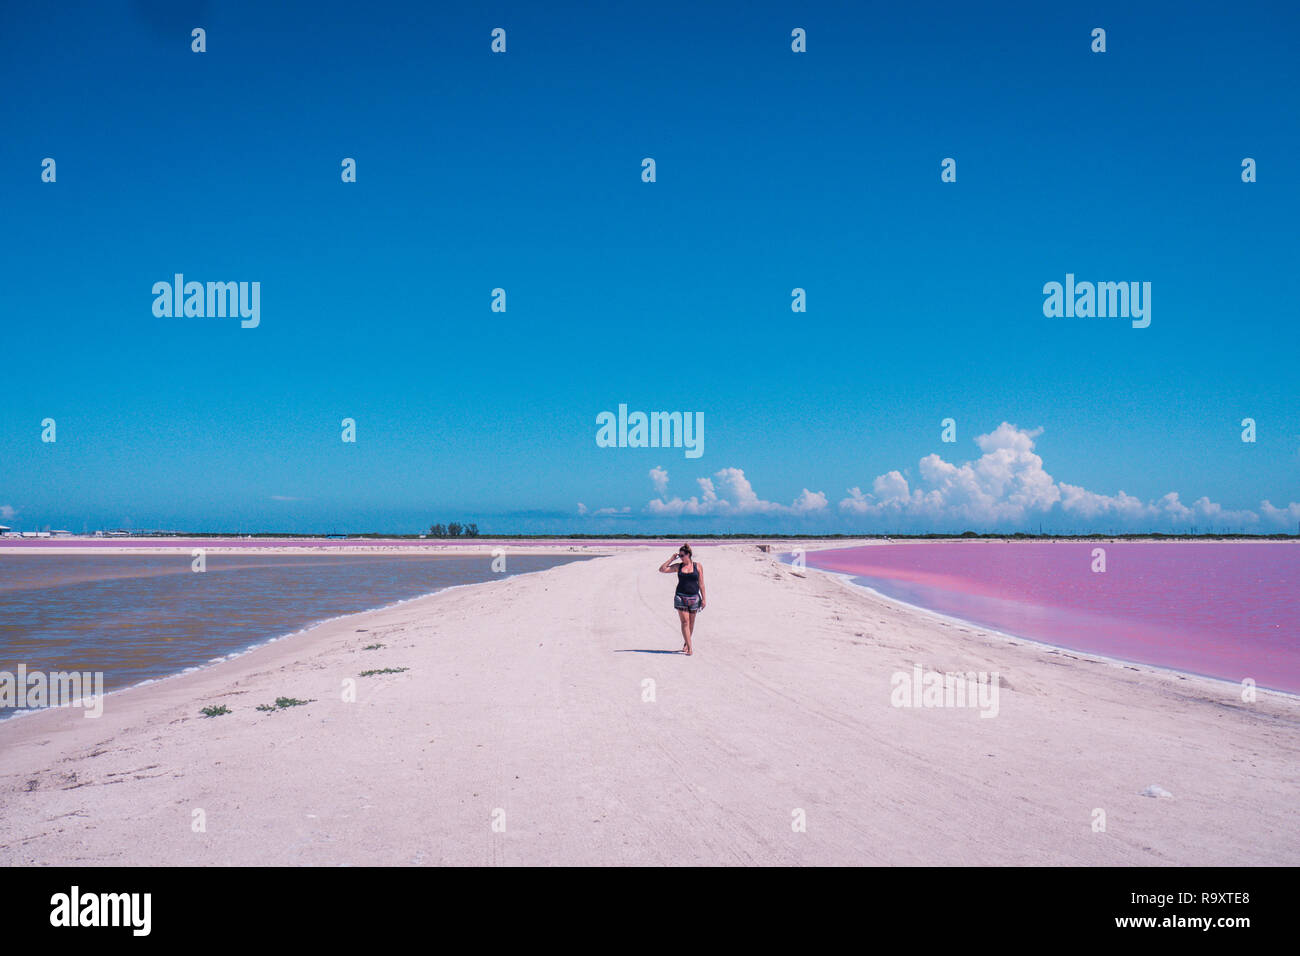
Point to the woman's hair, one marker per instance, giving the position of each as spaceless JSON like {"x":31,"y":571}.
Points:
{"x":684,"y":548}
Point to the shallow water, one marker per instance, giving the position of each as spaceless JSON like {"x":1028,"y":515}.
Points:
{"x":139,"y":617}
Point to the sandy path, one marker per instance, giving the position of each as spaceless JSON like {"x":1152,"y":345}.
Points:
{"x":525,"y":695}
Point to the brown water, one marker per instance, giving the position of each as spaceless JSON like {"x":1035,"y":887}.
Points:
{"x":142,"y":617}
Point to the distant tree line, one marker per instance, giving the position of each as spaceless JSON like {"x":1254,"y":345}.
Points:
{"x":454,"y":530}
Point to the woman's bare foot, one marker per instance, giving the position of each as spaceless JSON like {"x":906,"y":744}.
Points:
{"x":686,"y":649}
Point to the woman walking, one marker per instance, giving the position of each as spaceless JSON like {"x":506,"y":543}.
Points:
{"x":689,"y":599}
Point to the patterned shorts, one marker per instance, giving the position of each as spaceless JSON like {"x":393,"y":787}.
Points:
{"x":686,"y":602}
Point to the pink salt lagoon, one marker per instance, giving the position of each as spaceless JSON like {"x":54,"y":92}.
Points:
{"x":1220,"y":609}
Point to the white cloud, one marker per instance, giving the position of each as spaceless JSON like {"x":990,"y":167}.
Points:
{"x":741,"y":499}
{"x":603,"y":512}
{"x":1008,"y":484}
{"x":1089,"y":504}
{"x":1003,"y":485}
{"x":1286,"y":516}
{"x":809,"y":501}
{"x":1130,"y":510}
{"x":7,"y":511}
{"x":1206,"y":510}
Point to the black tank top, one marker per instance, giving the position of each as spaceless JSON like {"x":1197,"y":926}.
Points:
{"x":688,"y":582}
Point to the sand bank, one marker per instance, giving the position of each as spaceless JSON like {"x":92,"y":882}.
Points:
{"x":525,"y":702}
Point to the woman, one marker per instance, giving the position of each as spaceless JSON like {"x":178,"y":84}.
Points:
{"x":689,"y":599}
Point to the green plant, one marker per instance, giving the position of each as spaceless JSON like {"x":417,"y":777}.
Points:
{"x":282,"y":703}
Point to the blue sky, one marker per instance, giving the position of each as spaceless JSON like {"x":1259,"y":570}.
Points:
{"x":775,"y":170}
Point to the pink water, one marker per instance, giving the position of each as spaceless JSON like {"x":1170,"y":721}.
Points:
{"x":1227,"y":610}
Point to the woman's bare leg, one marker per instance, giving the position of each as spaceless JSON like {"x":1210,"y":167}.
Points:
{"x":688,"y":622}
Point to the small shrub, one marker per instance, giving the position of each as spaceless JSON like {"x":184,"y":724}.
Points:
{"x":281,"y":703}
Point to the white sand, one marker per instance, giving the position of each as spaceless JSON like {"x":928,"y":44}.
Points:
{"x":526,"y":695}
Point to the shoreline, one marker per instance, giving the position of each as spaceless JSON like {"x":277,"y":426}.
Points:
{"x":848,"y":581}
{"x":527,"y":695}
{"x":1024,"y":602}
{"x":235,"y":655}
{"x":263,"y":642}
